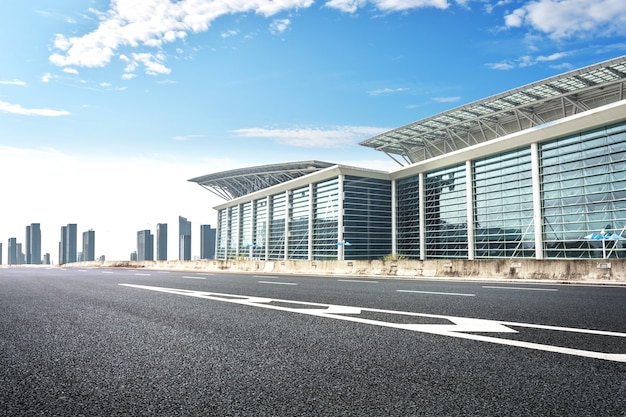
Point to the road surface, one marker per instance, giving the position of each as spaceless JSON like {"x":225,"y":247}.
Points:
{"x":104,"y":342}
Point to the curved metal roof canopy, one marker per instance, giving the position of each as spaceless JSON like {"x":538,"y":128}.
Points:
{"x":509,"y":112}
{"x":239,"y":182}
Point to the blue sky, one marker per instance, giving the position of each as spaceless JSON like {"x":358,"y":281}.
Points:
{"x":107,"y":108}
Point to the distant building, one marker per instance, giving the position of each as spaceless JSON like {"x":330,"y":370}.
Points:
{"x":12,"y":251}
{"x":46,"y":259}
{"x":28,"y":260}
{"x":133,"y":256}
{"x":21,"y":259}
{"x":161,"y":236}
{"x":67,"y":246}
{"x":145,"y":246}
{"x":89,"y":242}
{"x":102,"y":258}
{"x":184,"y":239}
{"x":207,"y":241}
{"x":33,"y":244}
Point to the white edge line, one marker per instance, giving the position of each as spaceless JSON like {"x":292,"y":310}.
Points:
{"x":438,"y":293}
{"x":519,"y":288}
{"x":277,"y":283}
{"x":189,"y":277}
{"x":357,"y":280}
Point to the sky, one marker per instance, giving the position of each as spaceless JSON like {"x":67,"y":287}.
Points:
{"x":108,"y":108}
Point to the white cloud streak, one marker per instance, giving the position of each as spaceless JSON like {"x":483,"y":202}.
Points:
{"x":561,"y":19}
{"x":14,"y":82}
{"x":312,"y":137}
{"x":386,"y":91}
{"x":528,"y":61}
{"x":19,"y":110}
{"x":152,"y":23}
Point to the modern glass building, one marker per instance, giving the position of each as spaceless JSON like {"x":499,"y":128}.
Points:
{"x":536,"y":172}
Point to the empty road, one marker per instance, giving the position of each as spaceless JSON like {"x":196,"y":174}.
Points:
{"x":106,"y":342}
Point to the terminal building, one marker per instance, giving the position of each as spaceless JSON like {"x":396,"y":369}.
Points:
{"x":536,"y":172}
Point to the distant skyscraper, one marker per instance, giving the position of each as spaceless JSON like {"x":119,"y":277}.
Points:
{"x":21,"y":259}
{"x":133,"y":256}
{"x":33,"y":244}
{"x":62,"y":254}
{"x":46,"y":259}
{"x":89,"y":248}
{"x":12,"y":252}
{"x":145,"y":246}
{"x":207,"y":241}
{"x":68,"y":244}
{"x":28,"y":253}
{"x":184,"y":239}
{"x":161,"y":235}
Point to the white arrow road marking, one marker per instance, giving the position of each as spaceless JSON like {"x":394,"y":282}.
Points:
{"x":459,"y":327}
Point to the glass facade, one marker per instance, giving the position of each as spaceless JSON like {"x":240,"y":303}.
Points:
{"x":367,"y":224}
{"x":446,"y":213}
{"x":580,"y":185}
{"x":408,"y":221}
{"x":325,"y":219}
{"x":583,"y":181}
{"x":299,"y":208}
{"x":503,"y":206}
{"x":278,"y":214}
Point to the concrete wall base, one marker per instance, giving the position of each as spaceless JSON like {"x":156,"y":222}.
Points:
{"x":571,"y":270}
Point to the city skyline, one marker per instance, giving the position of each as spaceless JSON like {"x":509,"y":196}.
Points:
{"x":179,"y":93}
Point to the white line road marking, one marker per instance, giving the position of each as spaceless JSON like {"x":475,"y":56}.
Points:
{"x":188,"y":277}
{"x":357,"y":280}
{"x":277,"y":283}
{"x":520,"y":288}
{"x":458,"y":328}
{"x":143,"y":274}
{"x":263,"y":276}
{"x":438,"y":293}
{"x":205,"y":273}
{"x":107,"y":272}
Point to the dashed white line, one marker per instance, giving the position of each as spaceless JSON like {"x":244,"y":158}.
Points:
{"x":277,"y":283}
{"x":188,"y":277}
{"x":438,"y":293}
{"x":143,"y":274}
{"x":519,"y":288}
{"x":107,"y":272}
{"x":263,"y":276}
{"x":205,"y":273}
{"x":357,"y":281}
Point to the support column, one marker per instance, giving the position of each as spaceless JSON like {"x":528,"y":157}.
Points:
{"x":340,"y":238}
{"x":268,"y":214}
{"x":287,"y":214}
{"x":469,"y":185}
{"x":394,"y":217}
{"x":311,"y":220}
{"x":422,"y":214}
{"x":537,"y":216}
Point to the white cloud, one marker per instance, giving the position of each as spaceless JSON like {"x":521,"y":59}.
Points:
{"x":184,"y":138}
{"x":73,"y":71}
{"x":279,"y":26}
{"x":229,"y":33}
{"x":17,"y":109}
{"x":14,"y":82}
{"x":314,"y":137}
{"x":151,"y":23}
{"x":561,"y":19}
{"x":46,"y":77}
{"x":351,"y":6}
{"x":529,"y":60}
{"x":387,"y":91}
{"x":446,"y":99}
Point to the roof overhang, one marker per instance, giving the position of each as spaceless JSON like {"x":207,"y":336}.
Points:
{"x":504,"y":114}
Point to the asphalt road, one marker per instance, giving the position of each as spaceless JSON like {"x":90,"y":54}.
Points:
{"x":113,"y":342}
